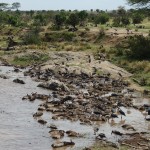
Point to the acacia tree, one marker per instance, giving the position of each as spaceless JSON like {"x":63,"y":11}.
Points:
{"x":137,"y":18}
{"x":3,"y":6}
{"x":82,"y":16}
{"x":101,"y":18}
{"x":121,"y":11}
{"x":145,"y":3}
{"x":16,"y":5}
{"x":59,"y":20}
{"x":122,"y":18}
{"x":73,"y":20}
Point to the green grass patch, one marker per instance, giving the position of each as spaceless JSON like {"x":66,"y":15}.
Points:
{"x":30,"y":59}
{"x":59,"y":36}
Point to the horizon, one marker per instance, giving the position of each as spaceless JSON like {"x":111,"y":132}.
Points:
{"x":68,"y":4}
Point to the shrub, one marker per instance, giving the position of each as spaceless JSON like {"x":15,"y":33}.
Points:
{"x":119,"y":50}
{"x":87,"y":29}
{"x":116,"y":21}
{"x":32,"y":37}
{"x":101,"y":33}
{"x":61,"y":36}
{"x":30,"y":59}
{"x":137,"y":18}
{"x":139,"y":47}
{"x":102,"y":18}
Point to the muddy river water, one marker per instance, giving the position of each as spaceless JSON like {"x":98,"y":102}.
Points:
{"x":20,"y":131}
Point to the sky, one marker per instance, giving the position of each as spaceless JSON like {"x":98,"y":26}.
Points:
{"x":68,"y":4}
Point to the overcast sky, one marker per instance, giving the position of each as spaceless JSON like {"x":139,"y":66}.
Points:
{"x":68,"y":4}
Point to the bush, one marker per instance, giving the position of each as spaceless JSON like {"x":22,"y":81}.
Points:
{"x":116,"y":22}
{"x":30,"y":59}
{"x":137,"y":18}
{"x":87,"y":29}
{"x":102,"y":18}
{"x":139,"y":47}
{"x":101,"y":33}
{"x":32,"y":38}
{"x":61,"y":36}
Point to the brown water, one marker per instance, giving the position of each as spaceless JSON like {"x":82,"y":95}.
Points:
{"x":20,"y":131}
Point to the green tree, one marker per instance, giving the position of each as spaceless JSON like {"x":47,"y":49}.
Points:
{"x":59,"y":20}
{"x":32,"y":37}
{"x":16,"y":5}
{"x":73,"y":20}
{"x":125,"y":21}
{"x":82,"y":16}
{"x":14,"y":20}
{"x":137,"y":18}
{"x":145,"y":3}
{"x":3,"y":17}
{"x":102,"y":18}
{"x":116,"y":21}
{"x":121,"y":18}
{"x":97,"y":10}
{"x":40,"y":19}
{"x":139,"y":47}
{"x":3,"y":6}
{"x":121,"y":11}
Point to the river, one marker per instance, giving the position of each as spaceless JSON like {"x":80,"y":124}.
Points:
{"x":20,"y":131}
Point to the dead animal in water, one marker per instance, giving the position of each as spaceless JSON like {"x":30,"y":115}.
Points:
{"x":37,"y":114}
{"x":101,"y":136}
{"x":61,"y":144}
{"x":52,"y":126}
{"x":41,"y":121}
{"x":128,"y":127}
{"x":41,"y":108}
{"x":57,"y":134}
{"x":18,"y":81}
{"x":72,"y":133}
{"x":116,"y":132}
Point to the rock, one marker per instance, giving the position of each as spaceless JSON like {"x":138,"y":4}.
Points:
{"x":54,"y":85}
{"x":18,"y":81}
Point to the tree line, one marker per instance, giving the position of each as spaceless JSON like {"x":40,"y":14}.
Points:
{"x":61,"y":18}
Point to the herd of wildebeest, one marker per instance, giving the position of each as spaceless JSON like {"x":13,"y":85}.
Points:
{"x":81,"y":97}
